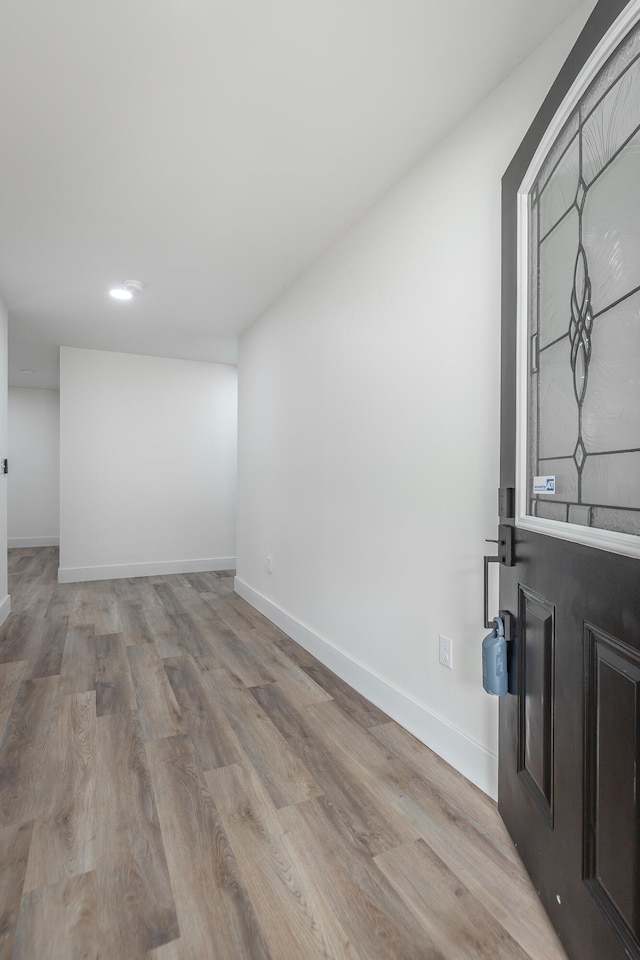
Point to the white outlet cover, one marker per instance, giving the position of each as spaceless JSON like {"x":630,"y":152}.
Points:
{"x":446,"y":651}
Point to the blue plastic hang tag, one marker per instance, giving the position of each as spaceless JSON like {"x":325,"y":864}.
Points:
{"x":494,"y":661}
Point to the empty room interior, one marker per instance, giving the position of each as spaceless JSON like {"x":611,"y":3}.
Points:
{"x":250,"y":299}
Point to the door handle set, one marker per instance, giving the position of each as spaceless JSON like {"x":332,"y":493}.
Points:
{"x":498,"y":673}
{"x":504,"y":556}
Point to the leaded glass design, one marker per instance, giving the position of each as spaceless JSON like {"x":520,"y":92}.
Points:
{"x":584,"y":307}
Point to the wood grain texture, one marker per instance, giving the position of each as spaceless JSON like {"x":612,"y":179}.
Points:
{"x":62,"y":602}
{"x":212,"y":902}
{"x":211,"y":734}
{"x":14,"y":638}
{"x":115,"y":692}
{"x":293,"y":912}
{"x":166,"y":631}
{"x":32,"y":580}
{"x":455,"y":922}
{"x":239,"y":615}
{"x":239,"y":658}
{"x":182,"y":782}
{"x":177,"y":631}
{"x":482,"y":856}
{"x":11,"y":677}
{"x":132,"y":622}
{"x":357,"y":791}
{"x":191,"y":599}
{"x":47,"y":648}
{"x":136,"y":901}
{"x":158,"y":710}
{"x":21,"y":638}
{"x":225,"y":647}
{"x":78,"y":667}
{"x":23,"y":750}
{"x":372,"y":914}
{"x":458,"y":793}
{"x":175,"y":950}
{"x":283,"y":774}
{"x":61,"y":920}
{"x":64,"y":832}
{"x":275,"y":665}
{"x":14,"y":852}
{"x":354,"y":705}
{"x":96,"y":603}
{"x":81,"y":607}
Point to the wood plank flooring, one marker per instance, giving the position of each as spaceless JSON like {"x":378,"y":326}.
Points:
{"x":181,"y":781}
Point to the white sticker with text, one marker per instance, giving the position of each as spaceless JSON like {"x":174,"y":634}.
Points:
{"x":544,"y":484}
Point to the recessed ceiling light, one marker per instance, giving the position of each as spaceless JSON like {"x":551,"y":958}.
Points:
{"x":126,"y":290}
{"x":119,"y":293}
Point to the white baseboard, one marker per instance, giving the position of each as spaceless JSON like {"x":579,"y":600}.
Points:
{"x":5,"y":609}
{"x":33,"y":542}
{"x":468,"y":756}
{"x":154,"y":569}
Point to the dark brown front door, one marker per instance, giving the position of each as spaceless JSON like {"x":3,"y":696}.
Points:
{"x":570,"y":728}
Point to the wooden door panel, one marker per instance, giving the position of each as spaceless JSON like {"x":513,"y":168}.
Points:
{"x":536,"y":685}
{"x":560,"y":790}
{"x":612,"y":719}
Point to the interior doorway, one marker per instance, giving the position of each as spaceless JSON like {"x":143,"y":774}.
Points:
{"x":33,"y":482}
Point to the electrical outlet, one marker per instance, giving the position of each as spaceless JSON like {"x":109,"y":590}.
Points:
{"x":268,"y":565}
{"x":446,"y":652}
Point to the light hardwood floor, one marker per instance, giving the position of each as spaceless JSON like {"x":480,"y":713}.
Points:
{"x":178,"y":780}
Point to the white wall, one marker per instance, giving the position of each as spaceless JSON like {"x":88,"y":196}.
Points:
{"x":33,"y":488}
{"x":5,"y":603}
{"x":147,"y":465}
{"x":368,"y":425}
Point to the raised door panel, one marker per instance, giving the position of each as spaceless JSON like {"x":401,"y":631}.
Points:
{"x":612,"y":718}
{"x":536,"y":685}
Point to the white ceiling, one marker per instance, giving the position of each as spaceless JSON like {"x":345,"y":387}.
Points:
{"x":213,"y":149}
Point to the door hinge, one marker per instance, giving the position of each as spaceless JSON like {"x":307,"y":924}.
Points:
{"x":506,"y":503}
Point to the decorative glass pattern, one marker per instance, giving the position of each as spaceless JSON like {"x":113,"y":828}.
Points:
{"x":584,"y":308}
